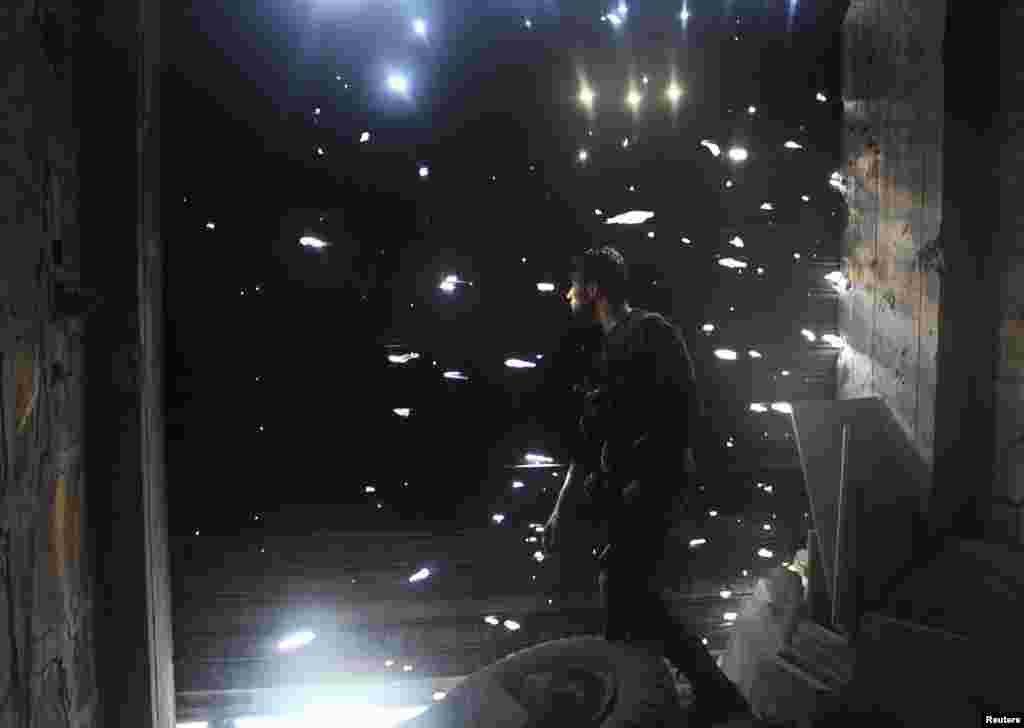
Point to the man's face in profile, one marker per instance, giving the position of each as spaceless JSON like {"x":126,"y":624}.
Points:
{"x":580,"y":304}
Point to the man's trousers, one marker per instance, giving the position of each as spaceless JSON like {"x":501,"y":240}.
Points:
{"x":641,"y":568}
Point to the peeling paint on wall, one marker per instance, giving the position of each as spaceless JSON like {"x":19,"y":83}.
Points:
{"x":893,"y":104}
{"x":1013,"y":332}
{"x":26,"y":391}
{"x":48,"y":678}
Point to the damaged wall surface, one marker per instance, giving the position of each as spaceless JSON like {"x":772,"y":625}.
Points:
{"x":933,"y":315}
{"x":892,"y":144}
{"x":85,"y":636}
{"x":47,"y":595}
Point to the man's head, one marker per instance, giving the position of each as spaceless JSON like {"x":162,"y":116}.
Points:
{"x":599,"y":284}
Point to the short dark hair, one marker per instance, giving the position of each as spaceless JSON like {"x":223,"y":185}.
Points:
{"x":606,"y":268}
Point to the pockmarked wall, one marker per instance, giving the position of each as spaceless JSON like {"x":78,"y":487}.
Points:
{"x":892,"y":146}
{"x":47,"y":607}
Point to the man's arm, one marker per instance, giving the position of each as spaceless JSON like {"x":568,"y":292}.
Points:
{"x":571,"y":489}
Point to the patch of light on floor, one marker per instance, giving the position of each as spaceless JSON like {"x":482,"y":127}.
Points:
{"x":333,"y":715}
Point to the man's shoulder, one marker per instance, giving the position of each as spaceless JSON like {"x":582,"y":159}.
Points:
{"x":657,"y":323}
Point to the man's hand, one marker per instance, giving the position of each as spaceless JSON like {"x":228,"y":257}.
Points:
{"x":550,"y":537}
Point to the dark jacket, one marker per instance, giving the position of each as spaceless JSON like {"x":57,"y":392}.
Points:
{"x":645,"y":410}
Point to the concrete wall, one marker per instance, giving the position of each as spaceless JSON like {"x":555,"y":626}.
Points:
{"x":892,"y":144}
{"x":85,"y":635}
{"x":934,"y":317}
{"x":1004,"y":516}
{"x":47,"y":595}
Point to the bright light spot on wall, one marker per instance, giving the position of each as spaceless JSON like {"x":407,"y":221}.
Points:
{"x":511,"y":625}
{"x":765,"y":553}
{"x":712,"y":147}
{"x":419,"y":27}
{"x":732,"y":263}
{"x":736,"y":242}
{"x":491,"y":620}
{"x":633,"y":217}
{"x":519,"y":364}
{"x":403,"y":358}
{"x":420,"y":575}
{"x":695,"y":542}
{"x":498,"y":517}
{"x":536,"y":459}
{"x":738,"y":154}
{"x":398,"y":83}
{"x":364,"y":137}
{"x":792,"y":145}
{"x":725,"y":594}
{"x":308,"y":241}
{"x":295,"y":641}
{"x":726,"y":354}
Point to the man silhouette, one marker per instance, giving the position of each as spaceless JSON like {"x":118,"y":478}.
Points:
{"x":640,"y":418}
